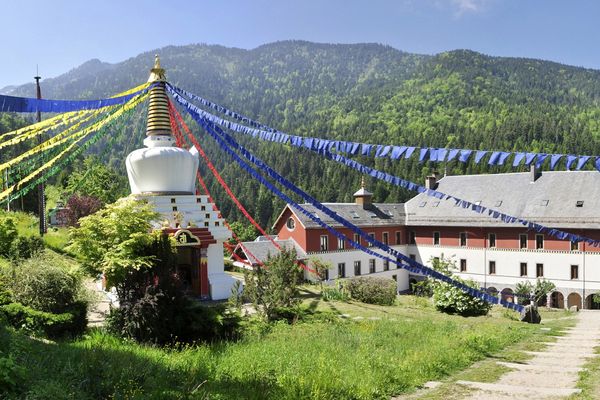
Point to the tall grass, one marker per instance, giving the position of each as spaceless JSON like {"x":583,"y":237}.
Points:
{"x":316,"y":360}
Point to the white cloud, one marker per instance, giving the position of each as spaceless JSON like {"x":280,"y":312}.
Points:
{"x":469,"y":6}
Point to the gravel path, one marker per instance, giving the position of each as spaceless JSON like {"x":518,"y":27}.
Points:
{"x":551,"y":373}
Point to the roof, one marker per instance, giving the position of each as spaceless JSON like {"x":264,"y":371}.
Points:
{"x":261,"y":249}
{"x":375,"y":214}
{"x":362,"y":192}
{"x":550,"y":200}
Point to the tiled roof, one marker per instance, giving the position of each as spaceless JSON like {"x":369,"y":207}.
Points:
{"x":380,"y":214}
{"x":551,"y":200}
{"x":261,"y":249}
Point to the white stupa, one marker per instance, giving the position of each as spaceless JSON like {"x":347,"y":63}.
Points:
{"x":165,"y":176}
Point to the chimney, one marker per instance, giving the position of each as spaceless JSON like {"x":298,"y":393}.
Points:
{"x":431,"y":182}
{"x":534,"y":173}
{"x":363,"y":197}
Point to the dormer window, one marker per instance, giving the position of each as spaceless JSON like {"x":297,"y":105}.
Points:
{"x":579,"y":203}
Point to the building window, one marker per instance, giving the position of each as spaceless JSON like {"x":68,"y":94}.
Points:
{"x":412,"y":237}
{"x":462,"y":239}
{"x":385,"y":238}
{"x":173,"y":201}
{"x":372,"y":266}
{"x":463,"y":265}
{"x":356,"y":238}
{"x":574,"y":246}
{"x":291,"y":224}
{"x":492,"y":269}
{"x":492,"y":240}
{"x":398,"y":237}
{"x":324,"y":243}
{"x":539,"y":270}
{"x":175,"y":208}
{"x":386,"y":265}
{"x":523,"y":269}
{"x":436,"y":238}
{"x":341,"y":270}
{"x":398,"y":263}
{"x":523,"y":241}
{"x":412,"y":257}
{"x":356,"y":268}
{"x":341,"y":244}
{"x":198,"y":199}
{"x":574,"y":271}
{"x":539,"y":242}
{"x":371,"y":239}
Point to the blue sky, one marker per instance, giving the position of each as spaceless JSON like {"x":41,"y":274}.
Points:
{"x":59,"y":35}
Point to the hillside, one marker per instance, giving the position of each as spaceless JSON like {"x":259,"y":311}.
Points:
{"x":362,"y":92}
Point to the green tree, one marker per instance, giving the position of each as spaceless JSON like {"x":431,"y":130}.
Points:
{"x":94,"y":179}
{"x":273,"y":289}
{"x":111,"y":241}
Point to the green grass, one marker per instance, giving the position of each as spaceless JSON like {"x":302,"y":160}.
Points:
{"x":28,"y":225}
{"x":327,"y":357}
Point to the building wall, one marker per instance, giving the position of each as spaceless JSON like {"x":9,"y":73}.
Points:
{"x":348,"y":257}
{"x":506,"y":238}
{"x":556,"y":266}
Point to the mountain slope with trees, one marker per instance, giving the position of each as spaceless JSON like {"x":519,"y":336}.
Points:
{"x":360,"y":92}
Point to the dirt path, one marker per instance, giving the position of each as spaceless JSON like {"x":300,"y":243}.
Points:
{"x":551,"y":373}
{"x":100,"y":307}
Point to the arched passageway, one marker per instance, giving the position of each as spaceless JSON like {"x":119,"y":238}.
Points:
{"x":590,"y":304}
{"x":508,"y":295}
{"x":557,"y":300}
{"x":574,"y":299}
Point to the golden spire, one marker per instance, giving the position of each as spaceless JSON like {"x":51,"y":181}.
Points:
{"x":159,"y":121}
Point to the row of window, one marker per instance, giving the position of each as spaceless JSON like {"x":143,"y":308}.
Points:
{"x":358,"y":267}
{"x":539,"y":269}
{"x":341,"y":243}
{"x":462,"y":240}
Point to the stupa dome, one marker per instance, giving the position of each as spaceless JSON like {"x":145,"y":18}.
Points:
{"x":161,"y":168}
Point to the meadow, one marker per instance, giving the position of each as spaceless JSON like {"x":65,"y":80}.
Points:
{"x":340,"y":351}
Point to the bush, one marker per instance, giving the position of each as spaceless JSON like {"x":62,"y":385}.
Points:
{"x":41,"y":296}
{"x":450,"y":299}
{"x":273,"y":289}
{"x":24,"y":247}
{"x":70,"y":323}
{"x":380,"y":291}
{"x":43,"y":284}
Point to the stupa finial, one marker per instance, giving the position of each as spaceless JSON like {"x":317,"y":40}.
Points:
{"x":157,"y":73}
{"x":159,"y":121}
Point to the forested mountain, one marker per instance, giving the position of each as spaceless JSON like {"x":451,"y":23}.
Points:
{"x":362,"y":92}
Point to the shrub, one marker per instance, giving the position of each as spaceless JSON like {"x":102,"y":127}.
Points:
{"x":69,"y":323}
{"x":380,"y":291}
{"x":450,"y":299}
{"x":43,"y":284}
{"x":24,"y":247}
{"x":275,"y":286}
{"x":423,"y":288}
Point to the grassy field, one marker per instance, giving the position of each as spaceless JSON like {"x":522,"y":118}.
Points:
{"x":345,"y":351}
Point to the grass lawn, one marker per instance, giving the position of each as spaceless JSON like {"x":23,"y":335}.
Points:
{"x":389,"y":351}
